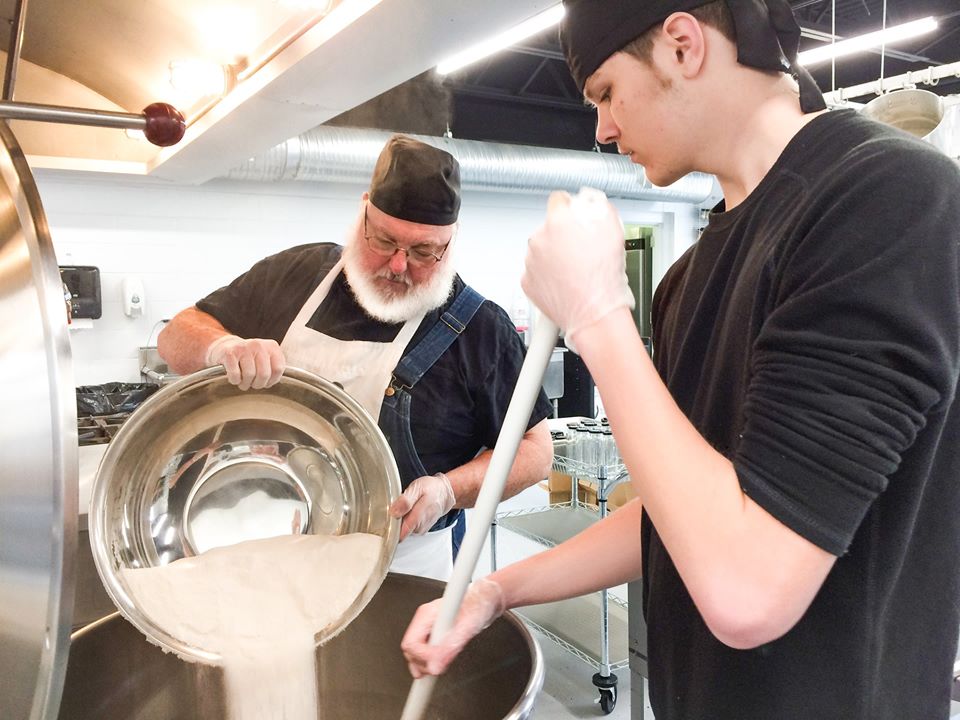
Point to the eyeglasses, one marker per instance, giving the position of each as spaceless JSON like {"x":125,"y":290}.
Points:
{"x":419,"y":255}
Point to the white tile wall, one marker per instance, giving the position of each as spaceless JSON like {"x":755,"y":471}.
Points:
{"x":183,"y":241}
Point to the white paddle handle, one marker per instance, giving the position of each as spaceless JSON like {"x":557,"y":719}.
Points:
{"x":524,"y":397}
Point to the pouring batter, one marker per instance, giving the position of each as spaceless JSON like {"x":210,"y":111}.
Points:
{"x":259,"y":605}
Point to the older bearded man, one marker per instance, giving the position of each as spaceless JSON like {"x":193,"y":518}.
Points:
{"x":378,"y":316}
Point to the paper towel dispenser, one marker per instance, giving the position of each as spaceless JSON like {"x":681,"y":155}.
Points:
{"x":83,"y":282}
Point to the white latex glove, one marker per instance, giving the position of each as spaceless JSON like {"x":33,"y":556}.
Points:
{"x":482,"y":604}
{"x":576,"y":262}
{"x":254,"y":363}
{"x":426,"y":500}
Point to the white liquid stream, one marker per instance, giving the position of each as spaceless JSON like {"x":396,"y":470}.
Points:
{"x":259,"y":604}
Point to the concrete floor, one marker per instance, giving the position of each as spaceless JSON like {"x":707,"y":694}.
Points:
{"x":567,"y":690}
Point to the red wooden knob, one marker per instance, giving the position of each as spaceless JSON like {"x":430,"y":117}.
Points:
{"x":165,"y":124}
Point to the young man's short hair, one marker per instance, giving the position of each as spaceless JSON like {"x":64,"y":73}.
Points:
{"x":715,"y":14}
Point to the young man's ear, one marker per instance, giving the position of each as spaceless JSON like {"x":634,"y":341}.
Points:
{"x":684,"y":35}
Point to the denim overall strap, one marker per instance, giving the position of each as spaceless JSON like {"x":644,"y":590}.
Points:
{"x":441,"y":336}
{"x":394,"y":418}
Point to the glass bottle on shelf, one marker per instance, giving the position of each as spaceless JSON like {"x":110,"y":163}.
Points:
{"x":589,"y":456}
{"x":611,"y":451}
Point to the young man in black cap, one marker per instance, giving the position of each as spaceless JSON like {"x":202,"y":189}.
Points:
{"x":794,"y":442}
{"x":388,"y":318}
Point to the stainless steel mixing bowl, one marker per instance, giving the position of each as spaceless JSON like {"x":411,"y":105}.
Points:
{"x":202,"y":464}
{"x":361,"y":674}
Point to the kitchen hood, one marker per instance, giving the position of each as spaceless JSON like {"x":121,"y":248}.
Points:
{"x":270,"y":70}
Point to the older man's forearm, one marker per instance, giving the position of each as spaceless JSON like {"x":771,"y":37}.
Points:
{"x":184,"y":341}
{"x":530,"y":466}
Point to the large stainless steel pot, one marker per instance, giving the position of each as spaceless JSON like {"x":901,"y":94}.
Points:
{"x":912,"y":110}
{"x":115,"y":673}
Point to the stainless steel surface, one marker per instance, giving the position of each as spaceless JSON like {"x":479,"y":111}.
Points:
{"x":115,"y":673}
{"x":154,"y":368}
{"x":912,"y":110}
{"x":71,"y":115}
{"x":202,"y":464}
{"x":90,"y":600}
{"x":13,"y":49}
{"x":637,"y":647}
{"x":553,"y":377}
{"x":946,"y":137}
{"x":38,"y":473}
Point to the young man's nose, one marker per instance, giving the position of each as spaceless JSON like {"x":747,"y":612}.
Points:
{"x":607,"y":130}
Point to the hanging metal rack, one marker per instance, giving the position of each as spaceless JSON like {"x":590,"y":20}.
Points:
{"x":929,"y":76}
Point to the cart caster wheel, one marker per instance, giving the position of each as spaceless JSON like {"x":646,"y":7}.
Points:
{"x":607,"y":684}
{"x":608,"y":700}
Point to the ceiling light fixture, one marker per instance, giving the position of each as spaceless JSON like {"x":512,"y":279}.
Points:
{"x":323,"y":6}
{"x":867,"y":41}
{"x":517,"y":33}
{"x":195,"y":79}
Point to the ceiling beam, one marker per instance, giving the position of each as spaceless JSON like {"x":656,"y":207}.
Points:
{"x":322,"y":74}
{"x":499,"y":94}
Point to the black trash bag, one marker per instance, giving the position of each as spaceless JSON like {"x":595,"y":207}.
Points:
{"x":112,"y":398}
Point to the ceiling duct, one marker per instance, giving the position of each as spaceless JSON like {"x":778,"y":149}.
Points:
{"x":336,"y":154}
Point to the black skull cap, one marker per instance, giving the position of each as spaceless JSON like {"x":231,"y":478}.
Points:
{"x":417,"y":182}
{"x":768,"y":36}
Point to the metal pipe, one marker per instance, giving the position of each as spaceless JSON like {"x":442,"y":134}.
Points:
{"x":13,"y":54}
{"x":348,"y":155}
{"x":71,"y":115}
{"x":930,"y":76}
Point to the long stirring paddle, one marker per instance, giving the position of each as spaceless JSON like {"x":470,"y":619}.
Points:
{"x":524,"y":396}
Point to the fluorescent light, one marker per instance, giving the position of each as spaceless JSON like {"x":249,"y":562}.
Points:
{"x":870,"y":40}
{"x":526,"y":29}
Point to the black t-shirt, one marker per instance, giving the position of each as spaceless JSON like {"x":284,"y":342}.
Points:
{"x":458,"y":406}
{"x":812,"y":335}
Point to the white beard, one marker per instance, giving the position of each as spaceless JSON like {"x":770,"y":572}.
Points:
{"x":402,"y":305}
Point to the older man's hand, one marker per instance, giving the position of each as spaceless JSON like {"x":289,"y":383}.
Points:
{"x":425,"y":500}
{"x":252,"y":363}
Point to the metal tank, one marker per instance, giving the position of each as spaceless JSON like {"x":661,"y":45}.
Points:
{"x":38,"y":473}
{"x":115,"y":673}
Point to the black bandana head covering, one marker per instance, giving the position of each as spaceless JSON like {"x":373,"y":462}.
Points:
{"x":416,"y":182}
{"x":768,"y":36}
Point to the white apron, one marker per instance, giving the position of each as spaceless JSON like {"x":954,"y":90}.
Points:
{"x":365,"y":369}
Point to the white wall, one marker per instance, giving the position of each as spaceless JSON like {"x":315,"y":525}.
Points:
{"x":184,"y":241}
